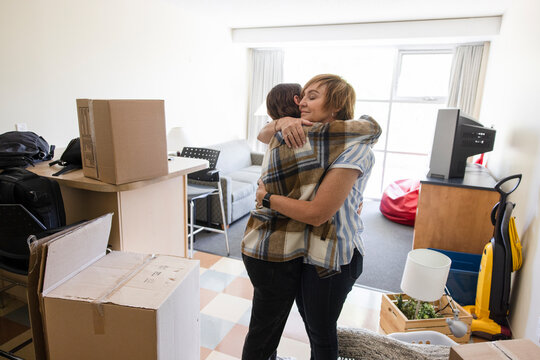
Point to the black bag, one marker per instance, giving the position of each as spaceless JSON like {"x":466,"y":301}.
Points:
{"x":71,"y":158}
{"x":23,"y":148}
{"x":41,"y":196}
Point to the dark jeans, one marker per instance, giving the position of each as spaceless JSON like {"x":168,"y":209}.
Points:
{"x":320,"y":302}
{"x":276,"y":285}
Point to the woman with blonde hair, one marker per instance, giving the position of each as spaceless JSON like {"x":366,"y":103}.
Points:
{"x":303,"y":241}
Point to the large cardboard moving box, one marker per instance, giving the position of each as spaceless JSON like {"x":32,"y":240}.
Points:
{"x":122,"y":140}
{"x":518,"y":349}
{"x":119,"y":305}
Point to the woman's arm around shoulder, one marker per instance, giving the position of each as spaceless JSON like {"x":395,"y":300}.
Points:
{"x":290,"y":127}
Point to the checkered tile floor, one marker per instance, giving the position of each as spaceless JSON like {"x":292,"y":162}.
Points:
{"x":226,"y":294}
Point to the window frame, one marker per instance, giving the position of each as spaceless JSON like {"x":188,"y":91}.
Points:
{"x":401,"y":51}
{"x":417,"y":99}
{"x":391,"y":99}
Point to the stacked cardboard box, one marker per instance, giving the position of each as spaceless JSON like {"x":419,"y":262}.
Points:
{"x":122,"y":140}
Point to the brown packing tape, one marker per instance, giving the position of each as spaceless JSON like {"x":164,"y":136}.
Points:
{"x":98,"y":312}
{"x":497,"y":353}
{"x":91,"y":141}
{"x":98,"y":320}
{"x":505,"y":353}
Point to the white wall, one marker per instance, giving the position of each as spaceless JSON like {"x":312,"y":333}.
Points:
{"x":511,"y":104}
{"x":54,"y":51}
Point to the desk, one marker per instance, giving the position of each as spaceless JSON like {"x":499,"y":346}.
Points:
{"x":455,"y":214}
{"x":150,"y":216}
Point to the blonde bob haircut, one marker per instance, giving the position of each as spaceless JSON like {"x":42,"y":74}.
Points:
{"x":340,"y":95}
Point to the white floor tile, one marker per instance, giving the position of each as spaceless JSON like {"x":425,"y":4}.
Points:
{"x":293,"y":348}
{"x":216,"y":355}
{"x":227,"y":307}
{"x":365,"y":298}
{"x":229,"y":266}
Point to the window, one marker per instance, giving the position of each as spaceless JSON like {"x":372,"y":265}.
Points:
{"x":401,"y":88}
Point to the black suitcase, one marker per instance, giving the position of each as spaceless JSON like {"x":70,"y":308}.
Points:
{"x":39,"y":195}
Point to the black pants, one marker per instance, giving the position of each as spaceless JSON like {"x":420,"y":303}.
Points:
{"x":276,"y":286}
{"x":320,"y":302}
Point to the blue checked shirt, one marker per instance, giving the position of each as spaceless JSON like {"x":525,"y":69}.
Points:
{"x":348,"y":223}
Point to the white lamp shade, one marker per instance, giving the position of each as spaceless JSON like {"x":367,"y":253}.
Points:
{"x":425,"y":274}
{"x":261,"y":110}
{"x":177,"y":138}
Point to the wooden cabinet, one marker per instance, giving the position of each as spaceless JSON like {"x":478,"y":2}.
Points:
{"x":455,"y":214}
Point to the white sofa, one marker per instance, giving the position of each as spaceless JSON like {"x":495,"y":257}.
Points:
{"x":239,"y":169}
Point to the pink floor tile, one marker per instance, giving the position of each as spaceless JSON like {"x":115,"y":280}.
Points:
{"x":240,"y":287}
{"x":233,"y":342}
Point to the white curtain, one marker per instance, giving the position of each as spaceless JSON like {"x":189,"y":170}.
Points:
{"x":464,"y":78}
{"x":266,"y":72}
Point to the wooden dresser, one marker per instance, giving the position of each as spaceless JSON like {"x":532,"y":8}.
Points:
{"x":454,"y":214}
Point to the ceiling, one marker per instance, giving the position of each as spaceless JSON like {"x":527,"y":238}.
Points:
{"x":270,"y":13}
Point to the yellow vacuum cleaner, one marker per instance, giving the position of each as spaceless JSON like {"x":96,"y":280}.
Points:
{"x":500,"y":257}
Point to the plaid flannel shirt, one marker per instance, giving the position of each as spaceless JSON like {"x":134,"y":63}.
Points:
{"x":297,"y":173}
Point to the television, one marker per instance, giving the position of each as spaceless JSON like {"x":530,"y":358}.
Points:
{"x":456,"y":138}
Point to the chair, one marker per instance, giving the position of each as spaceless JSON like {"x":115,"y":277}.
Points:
{"x":201,"y":185}
{"x":16,"y":224}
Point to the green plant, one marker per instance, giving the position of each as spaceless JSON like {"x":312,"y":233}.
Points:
{"x":408,"y":308}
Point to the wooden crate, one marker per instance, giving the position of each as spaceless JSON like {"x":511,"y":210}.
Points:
{"x":393,"y":320}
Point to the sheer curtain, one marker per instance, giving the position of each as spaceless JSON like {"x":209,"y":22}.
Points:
{"x":266,"y":72}
{"x":466,"y":79}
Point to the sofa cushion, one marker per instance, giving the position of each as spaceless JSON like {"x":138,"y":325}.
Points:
{"x":240,"y":190}
{"x":233,"y":155}
{"x":245,"y":176}
{"x":254,"y":169}
{"x":243,"y":207}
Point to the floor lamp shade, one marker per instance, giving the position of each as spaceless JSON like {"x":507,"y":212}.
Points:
{"x":177,"y":138}
{"x":425,"y":274}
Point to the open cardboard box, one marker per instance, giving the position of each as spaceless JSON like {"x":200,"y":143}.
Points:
{"x":86,"y":304}
{"x":518,"y":349}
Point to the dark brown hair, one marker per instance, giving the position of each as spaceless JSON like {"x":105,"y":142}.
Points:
{"x":280,"y":101}
{"x":340,"y":95}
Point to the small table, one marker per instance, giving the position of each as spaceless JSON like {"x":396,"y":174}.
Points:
{"x":150,"y":216}
{"x":454,"y":214}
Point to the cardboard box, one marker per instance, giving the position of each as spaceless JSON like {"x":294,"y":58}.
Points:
{"x":122,"y":140}
{"x":115,"y":306}
{"x":519,"y":349}
{"x":393,"y":320}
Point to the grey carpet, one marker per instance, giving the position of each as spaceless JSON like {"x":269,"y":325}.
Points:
{"x":387,"y":245}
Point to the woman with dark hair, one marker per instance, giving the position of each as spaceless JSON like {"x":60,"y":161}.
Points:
{"x":303,"y":241}
{"x":282,"y":101}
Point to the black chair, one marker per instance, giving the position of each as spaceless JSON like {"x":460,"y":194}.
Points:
{"x":202,"y":185}
{"x":16,"y":225}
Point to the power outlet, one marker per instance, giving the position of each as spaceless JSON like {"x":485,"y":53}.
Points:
{"x":21,"y":127}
